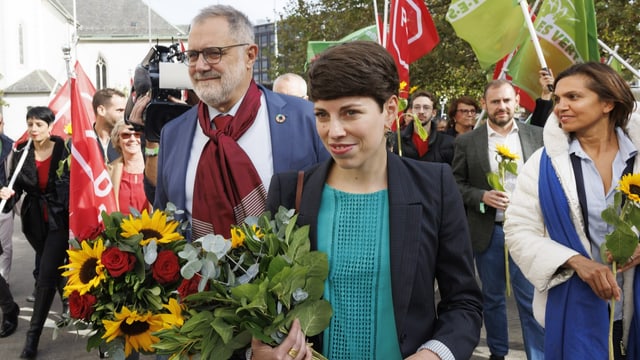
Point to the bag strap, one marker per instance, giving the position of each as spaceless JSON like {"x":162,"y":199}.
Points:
{"x":299,"y":186}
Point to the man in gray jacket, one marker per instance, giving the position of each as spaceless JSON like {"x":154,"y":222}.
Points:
{"x":474,"y":157}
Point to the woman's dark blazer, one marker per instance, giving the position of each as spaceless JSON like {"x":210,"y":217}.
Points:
{"x":55,"y":196}
{"x":429,"y":241}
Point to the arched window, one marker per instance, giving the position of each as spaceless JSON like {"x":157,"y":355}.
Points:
{"x":101,"y":73}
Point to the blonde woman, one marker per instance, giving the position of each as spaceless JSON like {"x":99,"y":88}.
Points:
{"x":127,"y":171}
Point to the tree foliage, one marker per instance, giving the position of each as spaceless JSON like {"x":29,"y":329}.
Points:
{"x":451,"y":69}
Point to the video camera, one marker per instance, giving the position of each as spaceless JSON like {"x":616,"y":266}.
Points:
{"x":162,"y":73}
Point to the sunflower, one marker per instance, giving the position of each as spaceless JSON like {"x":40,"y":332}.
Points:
{"x":237,"y":237}
{"x":505,"y":153}
{"x":84,"y":270}
{"x":134,"y":328}
{"x":630,"y":186}
{"x":257,"y":231}
{"x":152,"y":228}
{"x":174,"y":317}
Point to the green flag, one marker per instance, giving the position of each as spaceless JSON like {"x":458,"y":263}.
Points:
{"x":316,"y":47}
{"x":567,"y":33}
{"x":493,"y":28}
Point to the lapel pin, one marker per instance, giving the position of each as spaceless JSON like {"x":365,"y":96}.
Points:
{"x":280,"y":118}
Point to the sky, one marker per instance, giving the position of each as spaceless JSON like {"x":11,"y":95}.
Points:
{"x":180,"y":12}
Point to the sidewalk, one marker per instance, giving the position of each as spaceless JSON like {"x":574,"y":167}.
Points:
{"x":69,"y":345}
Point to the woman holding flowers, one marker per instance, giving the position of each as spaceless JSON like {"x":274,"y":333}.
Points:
{"x":554,"y":227}
{"x":44,"y":212}
{"x":391,"y":226}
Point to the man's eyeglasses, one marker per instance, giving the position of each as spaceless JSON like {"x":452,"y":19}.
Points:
{"x":466,"y":111}
{"x":424,"y":108}
{"x":211,"y":55}
{"x":126,"y":136}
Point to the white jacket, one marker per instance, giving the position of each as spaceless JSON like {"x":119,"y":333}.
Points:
{"x":538,"y":256}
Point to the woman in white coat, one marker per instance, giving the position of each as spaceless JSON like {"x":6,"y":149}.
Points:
{"x":553,"y":226}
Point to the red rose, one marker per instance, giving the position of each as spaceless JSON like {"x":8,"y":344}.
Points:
{"x":117,"y":261}
{"x":190,"y":286}
{"x":166,"y":269}
{"x":81,"y":306}
{"x":91,"y":233}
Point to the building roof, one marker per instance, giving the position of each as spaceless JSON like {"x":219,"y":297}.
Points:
{"x":117,"y":19}
{"x":37,"y":81}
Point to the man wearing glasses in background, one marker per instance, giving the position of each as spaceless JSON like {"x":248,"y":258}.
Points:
{"x":437,"y":147}
{"x":216,"y":160}
{"x":462,"y":115}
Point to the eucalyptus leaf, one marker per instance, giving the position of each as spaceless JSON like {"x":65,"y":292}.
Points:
{"x":188,"y":253}
{"x":150,"y":252}
{"x":190,"y":269}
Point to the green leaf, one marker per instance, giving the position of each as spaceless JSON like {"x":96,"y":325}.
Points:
{"x":621,"y":243}
{"x":223,"y":329}
{"x":314,"y":316}
{"x":512,"y":167}
{"x":417,"y":125}
{"x":494,"y":181}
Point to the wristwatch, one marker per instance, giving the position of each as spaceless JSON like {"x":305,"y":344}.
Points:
{"x":151,"y":152}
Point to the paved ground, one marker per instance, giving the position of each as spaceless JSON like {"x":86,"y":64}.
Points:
{"x":71,"y":346}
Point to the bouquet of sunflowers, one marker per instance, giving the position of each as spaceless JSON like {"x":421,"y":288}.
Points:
{"x":252,"y":285}
{"x":122,"y":281}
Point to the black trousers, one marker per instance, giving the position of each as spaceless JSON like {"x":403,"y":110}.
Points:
{"x":53,"y":256}
{"x":617,"y":341}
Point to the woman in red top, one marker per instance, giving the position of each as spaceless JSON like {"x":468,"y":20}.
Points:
{"x":127,"y":171}
{"x":44,"y":212}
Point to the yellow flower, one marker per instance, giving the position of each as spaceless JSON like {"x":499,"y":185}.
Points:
{"x":630,"y":186}
{"x":256,"y":230}
{"x":237,"y":237}
{"x":505,"y":153}
{"x":84,"y":270}
{"x":413,"y":89}
{"x":135,"y":328}
{"x":67,"y":129}
{"x":174,"y":317}
{"x":152,"y":228}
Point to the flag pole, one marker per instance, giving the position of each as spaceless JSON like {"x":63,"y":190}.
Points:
{"x":619,"y":58}
{"x":534,"y":37}
{"x":23,"y":157}
{"x":385,"y":21}
{"x":377,"y":19}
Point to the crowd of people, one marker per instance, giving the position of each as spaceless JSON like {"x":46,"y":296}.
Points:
{"x":407,"y":218}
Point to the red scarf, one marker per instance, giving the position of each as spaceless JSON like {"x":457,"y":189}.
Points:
{"x":421,"y":146}
{"x":227,"y":188}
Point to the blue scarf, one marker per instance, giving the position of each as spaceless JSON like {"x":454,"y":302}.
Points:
{"x":577,"y":321}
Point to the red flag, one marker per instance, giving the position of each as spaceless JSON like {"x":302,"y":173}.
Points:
{"x":61,"y":104}
{"x":91,"y":187}
{"x":412,"y":34}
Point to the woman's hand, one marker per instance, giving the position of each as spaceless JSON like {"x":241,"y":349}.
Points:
{"x":294,"y":347}
{"x":424,"y":354}
{"x":599,"y":277}
{"x":6,"y":193}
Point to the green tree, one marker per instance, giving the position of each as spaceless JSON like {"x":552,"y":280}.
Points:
{"x":451,"y":69}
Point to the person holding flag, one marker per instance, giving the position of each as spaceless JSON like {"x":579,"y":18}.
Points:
{"x":44,"y":212}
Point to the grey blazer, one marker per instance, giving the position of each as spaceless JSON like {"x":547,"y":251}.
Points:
{"x":470,"y":168}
